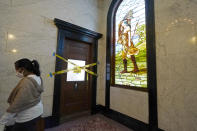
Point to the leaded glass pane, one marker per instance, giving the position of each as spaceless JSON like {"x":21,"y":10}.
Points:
{"x":130,"y":44}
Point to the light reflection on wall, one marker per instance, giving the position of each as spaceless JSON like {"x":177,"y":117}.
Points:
{"x":193,"y":40}
{"x":176,"y":21}
{"x":11,"y":36}
{"x":185,"y":20}
{"x":14,"y":50}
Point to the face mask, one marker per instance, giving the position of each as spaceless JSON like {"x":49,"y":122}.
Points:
{"x":20,"y":75}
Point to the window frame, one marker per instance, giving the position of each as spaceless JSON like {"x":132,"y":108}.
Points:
{"x":151,"y":59}
{"x":113,"y":40}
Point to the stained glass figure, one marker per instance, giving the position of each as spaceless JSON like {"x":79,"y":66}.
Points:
{"x":130,"y":44}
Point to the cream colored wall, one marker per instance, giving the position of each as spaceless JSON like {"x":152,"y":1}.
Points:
{"x":103,"y":10}
{"x":130,"y":102}
{"x":36,"y":37}
{"x":176,"y":48}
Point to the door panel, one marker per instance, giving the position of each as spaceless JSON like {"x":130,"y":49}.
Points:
{"x":74,"y":33}
{"x":75,"y":95}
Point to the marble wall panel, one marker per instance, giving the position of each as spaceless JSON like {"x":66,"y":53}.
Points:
{"x":176,"y":48}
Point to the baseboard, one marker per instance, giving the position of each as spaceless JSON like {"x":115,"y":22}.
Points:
{"x":100,"y":109}
{"x":50,"y":122}
{"x":129,"y":122}
{"x":160,"y":129}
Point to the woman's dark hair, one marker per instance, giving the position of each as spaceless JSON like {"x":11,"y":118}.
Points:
{"x":31,"y":66}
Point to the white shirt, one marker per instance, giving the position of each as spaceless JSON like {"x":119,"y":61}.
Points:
{"x":32,"y":112}
{"x":26,"y":115}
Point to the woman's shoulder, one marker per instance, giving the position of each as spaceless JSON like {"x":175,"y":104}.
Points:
{"x":36,"y":78}
{"x":27,"y":80}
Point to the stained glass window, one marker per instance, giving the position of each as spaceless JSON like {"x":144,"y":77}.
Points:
{"x":130,"y":68}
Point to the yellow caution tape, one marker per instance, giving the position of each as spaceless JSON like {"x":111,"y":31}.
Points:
{"x":76,"y":69}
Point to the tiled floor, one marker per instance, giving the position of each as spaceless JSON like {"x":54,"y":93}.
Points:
{"x":96,"y":122}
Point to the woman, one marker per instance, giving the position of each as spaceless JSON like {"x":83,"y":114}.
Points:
{"x":25,"y":99}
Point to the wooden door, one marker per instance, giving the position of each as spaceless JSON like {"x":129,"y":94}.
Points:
{"x":75,"y":95}
{"x":80,"y":44}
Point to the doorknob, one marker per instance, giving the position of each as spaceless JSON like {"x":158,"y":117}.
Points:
{"x":75,"y":86}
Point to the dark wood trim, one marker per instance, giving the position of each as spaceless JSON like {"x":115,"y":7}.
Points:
{"x":74,"y":32}
{"x":110,"y":37}
{"x":127,"y":121}
{"x":94,"y":81}
{"x":124,"y":119}
{"x":100,"y":109}
{"x":49,"y":122}
{"x":113,"y":27}
{"x":151,"y":59}
{"x":130,"y":87}
{"x":57,"y":82}
{"x":75,"y":28}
